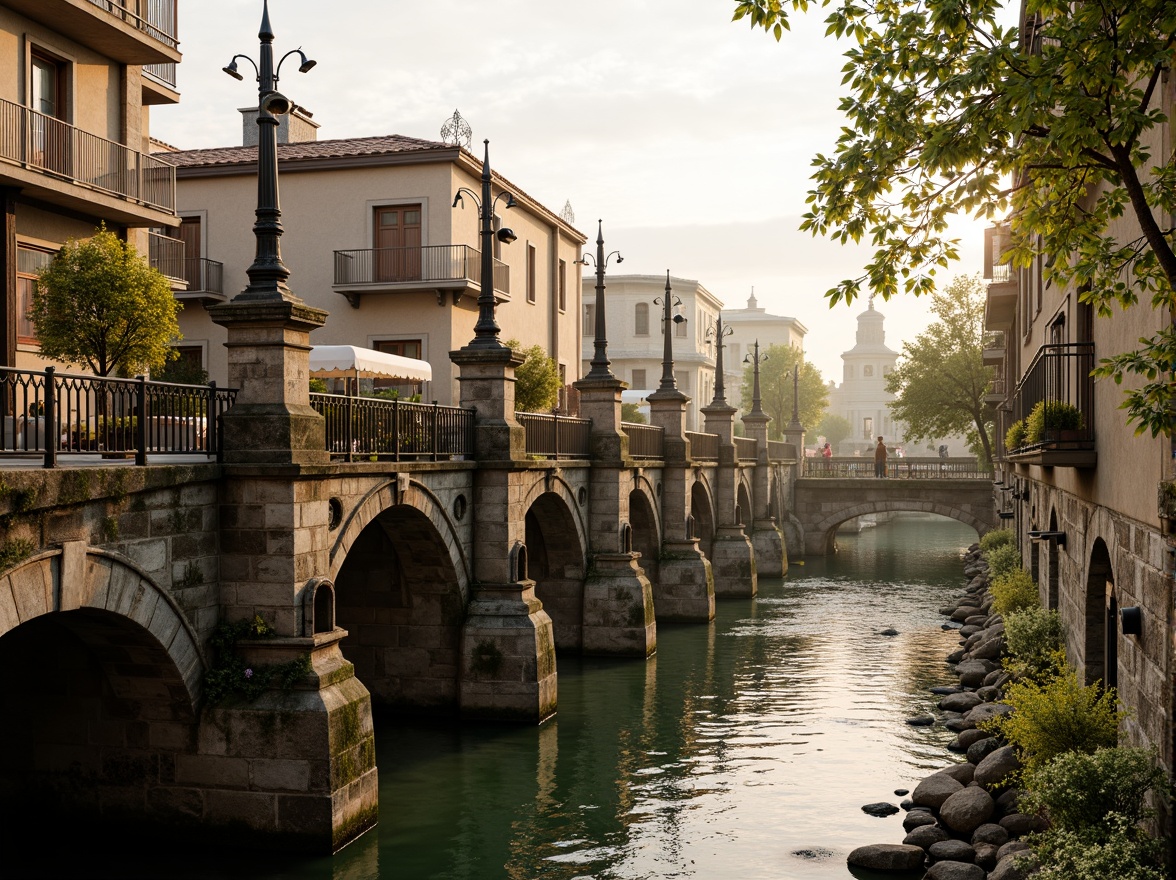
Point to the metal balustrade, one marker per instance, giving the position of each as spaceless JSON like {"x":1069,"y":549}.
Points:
{"x":860,"y":468}
{"x":166,"y":254}
{"x":1059,"y":380}
{"x":35,"y":140}
{"x":703,"y":446}
{"x":164,"y":73}
{"x":155,"y":18}
{"x":441,"y":262}
{"x":53,"y":414}
{"x":746,"y":448}
{"x":555,"y":436}
{"x":374,"y":429}
{"x":204,"y":275}
{"x":645,"y":441}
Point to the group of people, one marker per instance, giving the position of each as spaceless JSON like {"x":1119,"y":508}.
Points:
{"x":880,"y":455}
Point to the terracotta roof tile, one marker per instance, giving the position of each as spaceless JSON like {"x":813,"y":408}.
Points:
{"x":332,"y":149}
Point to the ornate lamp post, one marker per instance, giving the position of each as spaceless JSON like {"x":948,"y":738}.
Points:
{"x":755,"y":358}
{"x":718,"y":332}
{"x":486,"y":330}
{"x":668,"y":302}
{"x":600,"y":362}
{"x":795,"y":424}
{"x":268,"y":274}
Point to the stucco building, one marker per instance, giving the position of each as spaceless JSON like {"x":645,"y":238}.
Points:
{"x":75,"y":95}
{"x":749,"y":325}
{"x":372,"y":235}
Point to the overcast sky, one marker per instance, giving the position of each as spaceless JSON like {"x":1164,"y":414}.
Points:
{"x":690,"y":135}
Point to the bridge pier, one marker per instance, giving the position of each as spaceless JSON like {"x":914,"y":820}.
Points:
{"x":771,"y":555}
{"x":732,"y":556}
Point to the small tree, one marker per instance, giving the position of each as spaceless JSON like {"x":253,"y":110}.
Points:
{"x":834,"y":429}
{"x":631,"y":412}
{"x":776,"y":388}
{"x":99,"y":303}
{"x":537,"y":381}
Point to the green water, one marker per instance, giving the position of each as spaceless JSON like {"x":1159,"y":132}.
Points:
{"x":739,"y":745}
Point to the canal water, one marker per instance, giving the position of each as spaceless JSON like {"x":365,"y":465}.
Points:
{"x":743,"y":749}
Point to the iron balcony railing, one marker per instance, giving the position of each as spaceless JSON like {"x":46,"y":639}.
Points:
{"x":155,"y":18}
{"x":51,"y":414}
{"x":1002,"y":273}
{"x":438,"y":262}
{"x":645,"y":441}
{"x":860,"y":468}
{"x":555,"y":436}
{"x":1059,"y":382}
{"x":164,"y":73}
{"x":746,"y":448}
{"x":703,"y":446}
{"x":374,"y":429}
{"x":166,"y":254}
{"x":35,"y":140}
{"x":204,"y":275}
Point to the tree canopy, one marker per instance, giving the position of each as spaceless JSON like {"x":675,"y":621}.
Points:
{"x":776,"y":388}
{"x":834,"y":429}
{"x":1053,"y":123}
{"x":940,"y":382}
{"x":536,"y":380}
{"x":99,"y":303}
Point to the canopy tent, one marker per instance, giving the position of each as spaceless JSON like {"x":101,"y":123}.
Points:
{"x":352,"y":362}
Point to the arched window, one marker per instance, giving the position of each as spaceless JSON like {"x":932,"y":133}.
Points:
{"x":641,"y":319}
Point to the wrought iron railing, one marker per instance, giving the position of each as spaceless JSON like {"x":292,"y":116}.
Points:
{"x":1002,"y":273}
{"x":1059,"y":381}
{"x":155,"y":18}
{"x":555,"y":436}
{"x":38,"y":141}
{"x":855,"y":468}
{"x":204,"y":275}
{"x":703,"y":446}
{"x":166,"y":254}
{"x":52,"y":414}
{"x":373,"y":429}
{"x":645,"y":441}
{"x":439,"y":262}
{"x":746,"y":448}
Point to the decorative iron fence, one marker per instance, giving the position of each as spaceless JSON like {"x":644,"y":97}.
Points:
{"x":703,"y":446}
{"x":645,"y":441}
{"x":439,"y":262}
{"x":554,"y":436}
{"x":856,"y":468}
{"x":156,"y":18}
{"x":372,"y":429}
{"x":52,"y":414}
{"x":746,"y":448}
{"x":39,"y":141}
{"x":1059,"y":382}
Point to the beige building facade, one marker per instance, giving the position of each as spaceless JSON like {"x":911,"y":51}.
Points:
{"x":749,"y":325}
{"x":77,"y":81}
{"x":372,"y":235}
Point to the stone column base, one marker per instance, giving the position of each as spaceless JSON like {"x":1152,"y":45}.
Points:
{"x":685,"y":588}
{"x":771,"y":556}
{"x":618,"y":608}
{"x":733,"y":563}
{"x":293,"y":769}
{"x":507,"y":655}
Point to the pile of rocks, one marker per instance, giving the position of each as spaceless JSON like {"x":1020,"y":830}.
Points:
{"x":962,"y":822}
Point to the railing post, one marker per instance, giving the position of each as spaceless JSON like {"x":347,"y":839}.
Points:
{"x":51,"y":432}
{"x":434,"y":430}
{"x":210,"y":433}
{"x":349,"y":434}
{"x":396,"y":429}
{"x":141,"y":421}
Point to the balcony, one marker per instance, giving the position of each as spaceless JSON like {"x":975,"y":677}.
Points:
{"x":1000,"y":309}
{"x":997,"y":393}
{"x":167,"y":255}
{"x":128,"y":31}
{"x":192,"y":278}
{"x":1058,"y":388}
{"x":453,"y":269}
{"x":994,"y":349}
{"x":58,"y":163}
{"x":159,"y":84}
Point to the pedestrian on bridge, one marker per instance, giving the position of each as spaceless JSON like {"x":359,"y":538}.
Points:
{"x":880,"y":459}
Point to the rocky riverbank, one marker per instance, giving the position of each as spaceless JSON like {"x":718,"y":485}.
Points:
{"x":962,"y":822}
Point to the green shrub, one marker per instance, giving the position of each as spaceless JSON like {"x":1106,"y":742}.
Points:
{"x":1118,"y":850}
{"x":1057,"y":716}
{"x":1013,"y":591}
{"x":1003,"y":559}
{"x":1051,"y":415}
{"x":997,"y":538}
{"x":1033,"y":637}
{"x":1015,"y":435}
{"x":1077,"y":790}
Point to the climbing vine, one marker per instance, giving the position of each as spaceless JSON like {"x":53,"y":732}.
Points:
{"x":229,"y":675}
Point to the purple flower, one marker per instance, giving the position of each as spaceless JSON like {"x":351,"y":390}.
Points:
{"x":249,"y":673}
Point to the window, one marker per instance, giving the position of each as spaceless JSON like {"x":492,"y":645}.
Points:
{"x":409,"y":348}
{"x":50,"y":140}
{"x":639,"y":379}
{"x":867,"y":371}
{"x":589,"y":320}
{"x":531,"y":273}
{"x":29,"y":264}
{"x":48,"y":86}
{"x":563,"y":285}
{"x":641,"y":319}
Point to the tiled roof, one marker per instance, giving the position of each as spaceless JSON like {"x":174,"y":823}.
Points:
{"x":335,"y":149}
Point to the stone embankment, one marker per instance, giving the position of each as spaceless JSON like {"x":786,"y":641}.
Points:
{"x":962,"y":822}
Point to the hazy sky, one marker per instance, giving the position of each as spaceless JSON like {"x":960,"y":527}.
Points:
{"x":690,"y":135}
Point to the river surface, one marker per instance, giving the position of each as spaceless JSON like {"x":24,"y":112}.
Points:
{"x":743,"y":749}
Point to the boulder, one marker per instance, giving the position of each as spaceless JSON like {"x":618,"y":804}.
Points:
{"x":972,"y":672}
{"x":990,"y":833}
{"x":989,"y":649}
{"x":924,"y":836}
{"x":1013,"y":847}
{"x":880,"y":809}
{"x":887,"y":857}
{"x":997,"y":767}
{"x":952,"y":851}
{"x":968,"y":630}
{"x":988,"y":693}
{"x":917,"y":819}
{"x":958,"y":724}
{"x":921,"y":721}
{"x":1020,"y":824}
{"x":947,"y":611}
{"x":934,"y":790}
{"x":964,"y":612}
{"x":1007,"y":802}
{"x":955,"y":656}
{"x":968,"y":737}
{"x":1008,"y":869}
{"x":967,"y":810}
{"x":943,"y":690}
{"x":960,"y":702}
{"x":961,"y":773}
{"x":901,"y":792}
{"x":986,"y":712}
{"x":954,"y":871}
{"x":991,"y":679}
{"x":954,"y":746}
{"x":985,"y":855}
{"x":981,"y":749}
{"x":976,"y":620}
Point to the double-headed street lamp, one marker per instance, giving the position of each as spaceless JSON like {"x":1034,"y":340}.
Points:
{"x":486,"y":330}
{"x":755,"y":358}
{"x":669,"y":302}
{"x":268,"y":274}
{"x":718,"y":332}
{"x":600,"y":363}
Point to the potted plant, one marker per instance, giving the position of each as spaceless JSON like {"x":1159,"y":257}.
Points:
{"x":1015,"y":435}
{"x":1053,"y":420}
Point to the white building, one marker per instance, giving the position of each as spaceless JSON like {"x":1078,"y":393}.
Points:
{"x":747,"y":326}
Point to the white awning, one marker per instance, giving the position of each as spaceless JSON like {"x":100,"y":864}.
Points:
{"x":350,"y":362}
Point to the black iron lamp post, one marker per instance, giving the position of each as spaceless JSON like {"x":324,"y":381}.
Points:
{"x":718,"y":332}
{"x":755,"y":358}
{"x":600,"y":362}
{"x":486,"y":330}
{"x":268,"y":274}
{"x":668,"y":303}
{"x":795,"y":425}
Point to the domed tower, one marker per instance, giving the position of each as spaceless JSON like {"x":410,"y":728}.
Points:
{"x":862,"y":397}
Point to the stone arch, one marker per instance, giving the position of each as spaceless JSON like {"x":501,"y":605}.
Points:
{"x":702,"y":509}
{"x":103,"y":677}
{"x":557,"y":553}
{"x":402,"y":598}
{"x":820,"y":538}
{"x":1099,"y":629}
{"x":554,"y":484}
{"x":743,"y":500}
{"x":646,"y":532}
